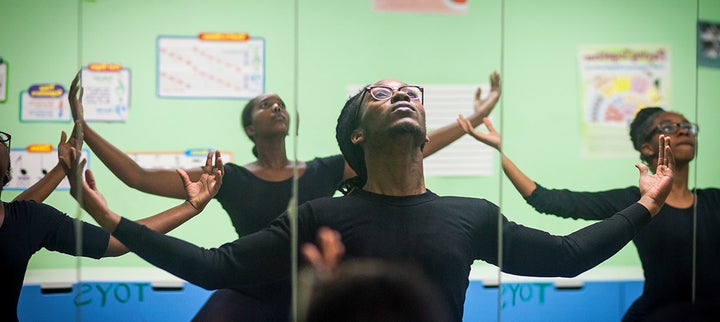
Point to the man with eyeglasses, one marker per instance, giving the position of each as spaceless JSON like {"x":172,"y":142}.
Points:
{"x":688,"y":223}
{"x":390,"y":215}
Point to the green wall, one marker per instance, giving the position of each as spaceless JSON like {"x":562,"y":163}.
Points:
{"x":533,"y":43}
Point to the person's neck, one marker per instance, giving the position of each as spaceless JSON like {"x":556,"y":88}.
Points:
{"x":394,"y":169}
{"x":680,"y":196}
{"x":271,"y":152}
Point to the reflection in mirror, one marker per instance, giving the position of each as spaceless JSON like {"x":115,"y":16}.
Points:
{"x":583,"y":93}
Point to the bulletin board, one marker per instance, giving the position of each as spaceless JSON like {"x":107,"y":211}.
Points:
{"x":210,"y":67}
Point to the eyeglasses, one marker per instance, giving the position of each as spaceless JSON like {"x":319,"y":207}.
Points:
{"x":670,"y":128}
{"x":382,"y":92}
{"x":5,"y":139}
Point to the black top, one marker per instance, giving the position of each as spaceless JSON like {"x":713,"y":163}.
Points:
{"x":443,"y":235}
{"x":252,"y":203}
{"x":664,"y":246}
{"x":29,"y":226}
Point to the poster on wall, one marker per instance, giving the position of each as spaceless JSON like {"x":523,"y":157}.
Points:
{"x":188,"y":159}
{"x":3,"y":80}
{"x":44,"y":103}
{"x":708,"y":44}
{"x":616,"y":82}
{"x":106,"y":92}
{"x":211,"y":65}
{"x":443,"y":104}
{"x":425,"y":6}
{"x":32,"y":163}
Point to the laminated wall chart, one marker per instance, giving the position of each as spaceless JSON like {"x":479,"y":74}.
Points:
{"x":210,"y":66}
{"x":31,"y":164}
{"x":106,"y":97}
{"x":106,"y":92}
{"x":188,"y":159}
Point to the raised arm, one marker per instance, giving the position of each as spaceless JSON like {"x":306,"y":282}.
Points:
{"x":45,"y":186}
{"x":524,"y":185}
{"x":445,"y":135}
{"x":198,"y":194}
{"x":160,"y":182}
{"x":533,"y":252}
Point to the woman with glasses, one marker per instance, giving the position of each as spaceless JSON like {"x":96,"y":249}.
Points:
{"x":255,"y":194}
{"x":26,"y":226}
{"x":665,"y":246}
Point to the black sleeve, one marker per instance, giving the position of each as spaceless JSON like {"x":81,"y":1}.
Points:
{"x":582,"y":205}
{"x":532,"y":252}
{"x":263,"y":255}
{"x":58,"y":232}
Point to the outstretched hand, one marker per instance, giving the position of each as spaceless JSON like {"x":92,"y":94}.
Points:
{"x":492,"y":138}
{"x":84,"y":191}
{"x":654,"y":188}
{"x":75,"y":100}
{"x":68,"y":157}
{"x":199,"y":193}
{"x":325,"y":258}
{"x":495,"y":90}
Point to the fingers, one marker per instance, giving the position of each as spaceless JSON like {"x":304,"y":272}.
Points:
{"x":669,"y":155}
{"x":73,"y":85}
{"x":464,"y":123}
{"x":208,"y":163}
{"x":488,"y":124}
{"x":312,"y":255}
{"x":478,"y":93}
{"x":219,"y":167}
{"x":63,"y":138}
{"x":90,"y":180}
{"x":332,"y":246}
{"x":184,"y":176}
{"x":642,"y":167}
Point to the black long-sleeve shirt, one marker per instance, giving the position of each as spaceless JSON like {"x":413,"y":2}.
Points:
{"x":29,"y":226}
{"x":442,"y":235}
{"x":665,"y":246}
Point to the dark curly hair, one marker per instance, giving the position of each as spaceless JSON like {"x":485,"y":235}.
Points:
{"x":354,"y":155}
{"x":641,"y":128}
{"x":246,"y":119}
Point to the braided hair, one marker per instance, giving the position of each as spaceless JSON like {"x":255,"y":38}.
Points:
{"x":641,"y":128}
{"x":354,"y":155}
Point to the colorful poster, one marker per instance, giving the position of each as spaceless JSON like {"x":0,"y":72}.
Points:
{"x":32,"y":163}
{"x":424,"y":6}
{"x":106,"y":92}
{"x":44,"y":102}
{"x":708,"y":44}
{"x":211,"y":66}
{"x":615,"y":82}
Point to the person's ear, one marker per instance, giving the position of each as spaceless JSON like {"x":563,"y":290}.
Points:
{"x":647,"y":150}
{"x":357,"y":136}
{"x":250,"y":130}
